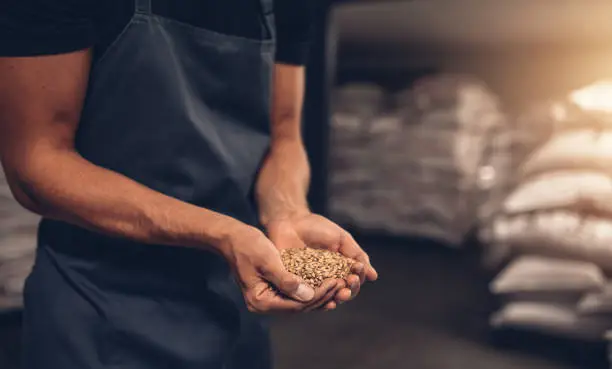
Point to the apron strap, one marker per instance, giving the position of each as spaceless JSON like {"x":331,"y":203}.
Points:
{"x":267,"y":8}
{"x":143,"y":7}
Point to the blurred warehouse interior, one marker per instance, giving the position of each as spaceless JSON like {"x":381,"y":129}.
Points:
{"x":524,"y":50}
{"x":466,"y":145}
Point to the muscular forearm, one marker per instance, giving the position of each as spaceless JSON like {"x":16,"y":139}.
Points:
{"x":63,"y":186}
{"x":283,"y":182}
{"x":285,"y":176}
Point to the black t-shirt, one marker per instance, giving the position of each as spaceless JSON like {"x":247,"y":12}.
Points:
{"x":42,"y":27}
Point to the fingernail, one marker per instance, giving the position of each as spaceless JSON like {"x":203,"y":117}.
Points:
{"x":304,"y":293}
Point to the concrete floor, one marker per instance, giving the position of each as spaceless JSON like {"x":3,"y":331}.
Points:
{"x":428,"y":311}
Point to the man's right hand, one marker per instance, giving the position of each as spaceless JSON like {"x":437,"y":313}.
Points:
{"x":266,"y":285}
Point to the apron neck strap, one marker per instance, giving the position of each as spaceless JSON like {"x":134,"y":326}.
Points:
{"x":143,"y":7}
{"x":267,"y":7}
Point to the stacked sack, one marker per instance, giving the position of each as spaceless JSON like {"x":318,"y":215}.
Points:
{"x":416,"y":162}
{"x":355,"y":106}
{"x":554,"y":229}
{"x":17,"y":247}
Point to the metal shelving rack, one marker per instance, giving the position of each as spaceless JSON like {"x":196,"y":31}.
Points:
{"x":320,"y":77}
{"x":321,"y":74}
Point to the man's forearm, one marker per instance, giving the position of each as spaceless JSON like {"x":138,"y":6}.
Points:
{"x":64,"y":186}
{"x":283,"y":182}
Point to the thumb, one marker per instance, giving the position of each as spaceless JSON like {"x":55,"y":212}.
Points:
{"x":287,"y":283}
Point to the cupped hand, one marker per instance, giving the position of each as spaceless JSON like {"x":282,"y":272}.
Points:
{"x":266,"y":285}
{"x":319,"y":232}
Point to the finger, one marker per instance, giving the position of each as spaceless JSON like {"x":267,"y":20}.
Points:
{"x":325,"y":293}
{"x":359,"y":269}
{"x":330,"y":306}
{"x":354,"y":285}
{"x":287,"y":283}
{"x":350,"y":248}
{"x":266,"y":299}
{"x":343,"y":296}
{"x":341,"y":291}
{"x":371,"y":274}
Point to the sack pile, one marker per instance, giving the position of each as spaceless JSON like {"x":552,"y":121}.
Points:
{"x":17,"y":247}
{"x":554,"y":229}
{"x":560,"y":297}
{"x":415,"y":162}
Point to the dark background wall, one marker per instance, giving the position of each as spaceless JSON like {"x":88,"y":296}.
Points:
{"x":524,"y":49}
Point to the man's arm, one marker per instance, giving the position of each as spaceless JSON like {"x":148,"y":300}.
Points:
{"x":40,"y":105}
{"x":285,"y":177}
{"x":283,"y":182}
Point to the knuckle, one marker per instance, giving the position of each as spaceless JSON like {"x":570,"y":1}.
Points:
{"x":253,"y":298}
{"x":253,"y":235}
{"x":347,"y":236}
{"x":259,"y":306}
{"x":289,"y":281}
{"x":258,"y":299}
{"x":251,"y":307}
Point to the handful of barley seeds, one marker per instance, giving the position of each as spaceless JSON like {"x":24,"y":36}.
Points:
{"x":315,"y":266}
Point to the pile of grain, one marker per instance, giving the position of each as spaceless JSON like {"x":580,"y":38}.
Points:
{"x":315,"y":266}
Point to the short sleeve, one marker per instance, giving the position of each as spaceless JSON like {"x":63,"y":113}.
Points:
{"x":294,"y":28}
{"x":43,"y":27}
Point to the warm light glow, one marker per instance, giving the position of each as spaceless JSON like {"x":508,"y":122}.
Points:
{"x":596,"y":97}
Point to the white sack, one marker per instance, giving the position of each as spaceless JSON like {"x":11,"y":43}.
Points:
{"x":559,"y":234}
{"x":597,"y":302}
{"x":417,"y":169}
{"x":558,"y":320}
{"x":464,"y":97}
{"x":595,"y":98}
{"x":564,"y":189}
{"x":17,"y":246}
{"x":13,"y":276}
{"x":363,"y":99}
{"x":584,"y":149}
{"x":542,"y":274}
{"x":548,"y":118}
{"x":359,"y":92}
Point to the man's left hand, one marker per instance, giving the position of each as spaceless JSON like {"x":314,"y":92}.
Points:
{"x":319,"y":232}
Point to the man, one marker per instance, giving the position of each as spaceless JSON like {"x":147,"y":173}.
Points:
{"x":139,"y":130}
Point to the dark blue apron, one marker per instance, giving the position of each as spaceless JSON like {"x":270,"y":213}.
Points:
{"x":184,"y":111}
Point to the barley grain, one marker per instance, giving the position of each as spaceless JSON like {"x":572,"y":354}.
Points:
{"x":315,"y":266}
